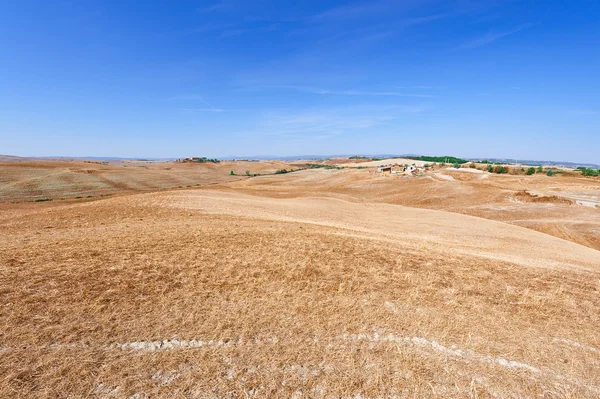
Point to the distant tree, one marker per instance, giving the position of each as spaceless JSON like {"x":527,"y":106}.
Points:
{"x":444,"y":159}
{"x":530,"y":171}
{"x":549,"y":173}
{"x":231,"y":173}
{"x":590,"y":172}
{"x":490,"y":169}
{"x":540,"y":169}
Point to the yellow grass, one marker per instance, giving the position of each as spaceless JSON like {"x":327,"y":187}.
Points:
{"x":320,"y":283}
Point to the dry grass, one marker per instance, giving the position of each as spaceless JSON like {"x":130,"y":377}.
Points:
{"x":216,"y":293}
{"x":67,"y":180}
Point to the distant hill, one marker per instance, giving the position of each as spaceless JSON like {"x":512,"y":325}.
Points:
{"x":539,"y":163}
{"x":11,"y":158}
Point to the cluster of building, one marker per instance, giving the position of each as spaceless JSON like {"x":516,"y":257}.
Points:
{"x":397,"y":169}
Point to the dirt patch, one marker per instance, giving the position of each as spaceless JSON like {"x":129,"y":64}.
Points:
{"x":526,"y":196}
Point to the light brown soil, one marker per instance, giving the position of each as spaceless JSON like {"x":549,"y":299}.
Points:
{"x":318,"y":283}
{"x":56,"y":180}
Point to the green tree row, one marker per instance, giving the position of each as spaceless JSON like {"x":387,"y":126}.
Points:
{"x":444,"y":159}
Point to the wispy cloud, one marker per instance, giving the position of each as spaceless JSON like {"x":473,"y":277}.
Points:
{"x":327,"y":123}
{"x":424,"y":19}
{"x":584,"y":112}
{"x":199,"y":98}
{"x":353,"y":10}
{"x":232,"y":32}
{"x":317,"y":90}
{"x":187,"y":97}
{"x":214,"y":7}
{"x":204,"y":110}
{"x":313,"y":125}
{"x":370,"y":8}
{"x":491,"y":37}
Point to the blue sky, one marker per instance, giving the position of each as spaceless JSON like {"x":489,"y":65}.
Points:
{"x":173,"y":78}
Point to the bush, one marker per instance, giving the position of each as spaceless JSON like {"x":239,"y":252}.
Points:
{"x":549,"y":173}
{"x":231,"y":173}
{"x":540,"y":169}
{"x":247,"y":173}
{"x":322,"y":166}
{"x":530,"y":171}
{"x":281,"y":171}
{"x":590,"y":172}
{"x":43,"y":199}
{"x":357,"y":157}
{"x":490,"y":169}
{"x":444,"y":159}
{"x":457,"y":165}
{"x":204,"y":160}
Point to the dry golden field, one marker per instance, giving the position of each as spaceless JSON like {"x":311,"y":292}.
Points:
{"x":320,"y":283}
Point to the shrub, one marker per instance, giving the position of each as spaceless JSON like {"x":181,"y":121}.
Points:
{"x":490,"y":169}
{"x":444,"y":159}
{"x":204,"y":160}
{"x":322,"y":166}
{"x":539,"y":169}
{"x":530,"y":171}
{"x":281,"y":171}
{"x":247,"y":173}
{"x":231,"y":173}
{"x":549,"y":173}
{"x":457,"y":165}
{"x":43,"y":199}
{"x":590,"y":172}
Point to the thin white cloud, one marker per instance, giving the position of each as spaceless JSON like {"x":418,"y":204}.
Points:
{"x":213,"y":7}
{"x":187,"y":97}
{"x":321,"y":124}
{"x":232,"y":32}
{"x":353,"y":10}
{"x":584,"y":112}
{"x":317,"y":90}
{"x":424,"y":19}
{"x":204,"y":110}
{"x":197,"y":97}
{"x":491,"y":37}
